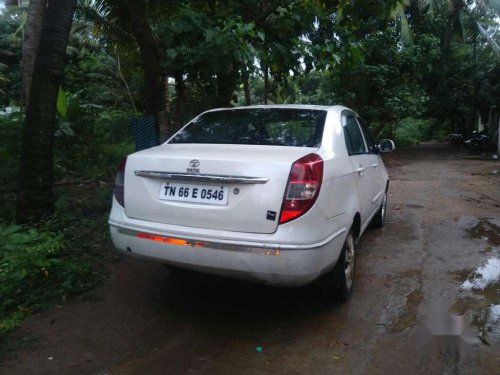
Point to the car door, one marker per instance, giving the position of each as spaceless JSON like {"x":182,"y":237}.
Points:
{"x":360,"y":162}
{"x":375,"y":166}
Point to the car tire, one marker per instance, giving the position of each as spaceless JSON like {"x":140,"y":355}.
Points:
{"x":338,"y":283}
{"x":378,"y":220}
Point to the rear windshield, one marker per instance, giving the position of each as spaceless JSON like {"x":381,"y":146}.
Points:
{"x":262,"y":126}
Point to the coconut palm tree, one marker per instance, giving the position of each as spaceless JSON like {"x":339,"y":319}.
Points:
{"x":459,"y":14}
{"x":125,"y":21}
{"x":35,"y":184}
{"x":31,"y":38}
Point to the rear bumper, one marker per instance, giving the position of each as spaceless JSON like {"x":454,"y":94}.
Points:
{"x":295,"y":255}
{"x":257,"y":263}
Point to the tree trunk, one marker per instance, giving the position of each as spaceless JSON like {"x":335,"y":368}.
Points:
{"x":266,"y":84}
{"x":246,"y":90}
{"x":150,"y":58}
{"x":31,"y":41}
{"x":180,"y":94}
{"x":225,"y":88}
{"x":456,"y":7}
{"x":394,"y":129}
{"x":498,"y":137}
{"x":448,"y":33}
{"x":35,"y":184}
{"x":164,"y":117}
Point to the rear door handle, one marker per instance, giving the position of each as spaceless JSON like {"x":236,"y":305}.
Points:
{"x":375,"y":165}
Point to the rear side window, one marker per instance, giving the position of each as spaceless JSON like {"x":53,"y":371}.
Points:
{"x":353,"y":137}
{"x":256,"y":126}
{"x":367,"y":135}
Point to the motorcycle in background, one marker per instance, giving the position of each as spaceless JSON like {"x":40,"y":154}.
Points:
{"x":479,"y":142}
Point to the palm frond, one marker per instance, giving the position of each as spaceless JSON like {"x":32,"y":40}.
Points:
{"x":461,"y":26}
{"x":107,"y":18}
{"x":428,"y":4}
{"x":491,"y":41}
{"x":398,"y":13}
{"x":489,"y":5}
{"x":3,"y":78}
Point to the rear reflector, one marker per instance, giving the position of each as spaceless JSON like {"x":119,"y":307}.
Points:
{"x":304,"y":183}
{"x":171,"y":240}
{"x":198,"y":243}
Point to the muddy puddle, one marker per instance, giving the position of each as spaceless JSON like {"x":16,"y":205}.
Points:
{"x":480,"y":300}
{"x":406,"y":297}
{"x":485,"y":230}
{"x":408,"y":314}
{"x":479,"y":285}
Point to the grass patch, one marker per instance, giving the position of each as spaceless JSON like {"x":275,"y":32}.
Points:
{"x":65,"y":258}
{"x":31,"y":265}
{"x":62,"y":257}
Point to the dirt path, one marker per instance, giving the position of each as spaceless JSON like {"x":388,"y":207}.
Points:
{"x":443,"y":223}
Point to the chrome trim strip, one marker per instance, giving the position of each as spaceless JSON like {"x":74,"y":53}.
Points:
{"x":202,"y":177}
{"x":374,"y":200}
{"x":336,"y":216}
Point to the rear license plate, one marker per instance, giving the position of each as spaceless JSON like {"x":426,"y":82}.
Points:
{"x":208,"y":194}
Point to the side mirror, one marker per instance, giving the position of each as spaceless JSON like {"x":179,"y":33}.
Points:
{"x":386,"y":145}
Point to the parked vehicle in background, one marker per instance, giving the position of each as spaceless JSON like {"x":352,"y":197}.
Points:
{"x":272,"y":194}
{"x":480,"y":142}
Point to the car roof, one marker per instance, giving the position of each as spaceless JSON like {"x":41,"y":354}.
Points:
{"x":332,"y":108}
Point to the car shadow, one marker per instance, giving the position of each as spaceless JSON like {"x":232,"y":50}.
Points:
{"x":202,"y":296}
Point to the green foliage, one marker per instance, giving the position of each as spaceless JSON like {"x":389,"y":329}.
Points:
{"x":97,"y":141}
{"x":44,"y":264}
{"x":34,"y":270}
{"x":10,"y":55}
{"x":413,"y":131}
{"x":196,"y":40}
{"x":62,"y":103}
{"x":10,"y":133}
{"x":103,"y":78}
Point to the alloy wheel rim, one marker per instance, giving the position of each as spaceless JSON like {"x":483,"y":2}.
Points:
{"x":349,"y":261}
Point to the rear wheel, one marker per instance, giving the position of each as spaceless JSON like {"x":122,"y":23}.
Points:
{"x":378,"y":220}
{"x":338,"y":283}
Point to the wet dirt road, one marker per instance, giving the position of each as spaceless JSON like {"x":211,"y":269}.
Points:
{"x":441,"y":244}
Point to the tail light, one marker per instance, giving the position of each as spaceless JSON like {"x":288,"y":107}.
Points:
{"x":119,"y":189}
{"x":304,"y":183}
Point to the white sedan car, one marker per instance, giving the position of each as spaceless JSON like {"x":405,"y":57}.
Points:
{"x":273,"y":194}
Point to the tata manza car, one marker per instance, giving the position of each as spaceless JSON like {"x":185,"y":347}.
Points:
{"x":273,"y":194}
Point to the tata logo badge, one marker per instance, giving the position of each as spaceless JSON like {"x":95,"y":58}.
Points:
{"x":193,"y":164}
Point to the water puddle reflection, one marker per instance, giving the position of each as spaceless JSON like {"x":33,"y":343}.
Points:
{"x":485,"y":230}
{"x":482,"y":301}
{"x":484,"y":275}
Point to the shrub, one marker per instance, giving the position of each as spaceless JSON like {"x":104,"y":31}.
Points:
{"x":97,"y":141}
{"x":10,"y":134}
{"x":35,"y":269}
{"x":413,"y":131}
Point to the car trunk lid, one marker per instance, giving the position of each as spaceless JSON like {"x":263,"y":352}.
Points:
{"x":250,"y":179}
